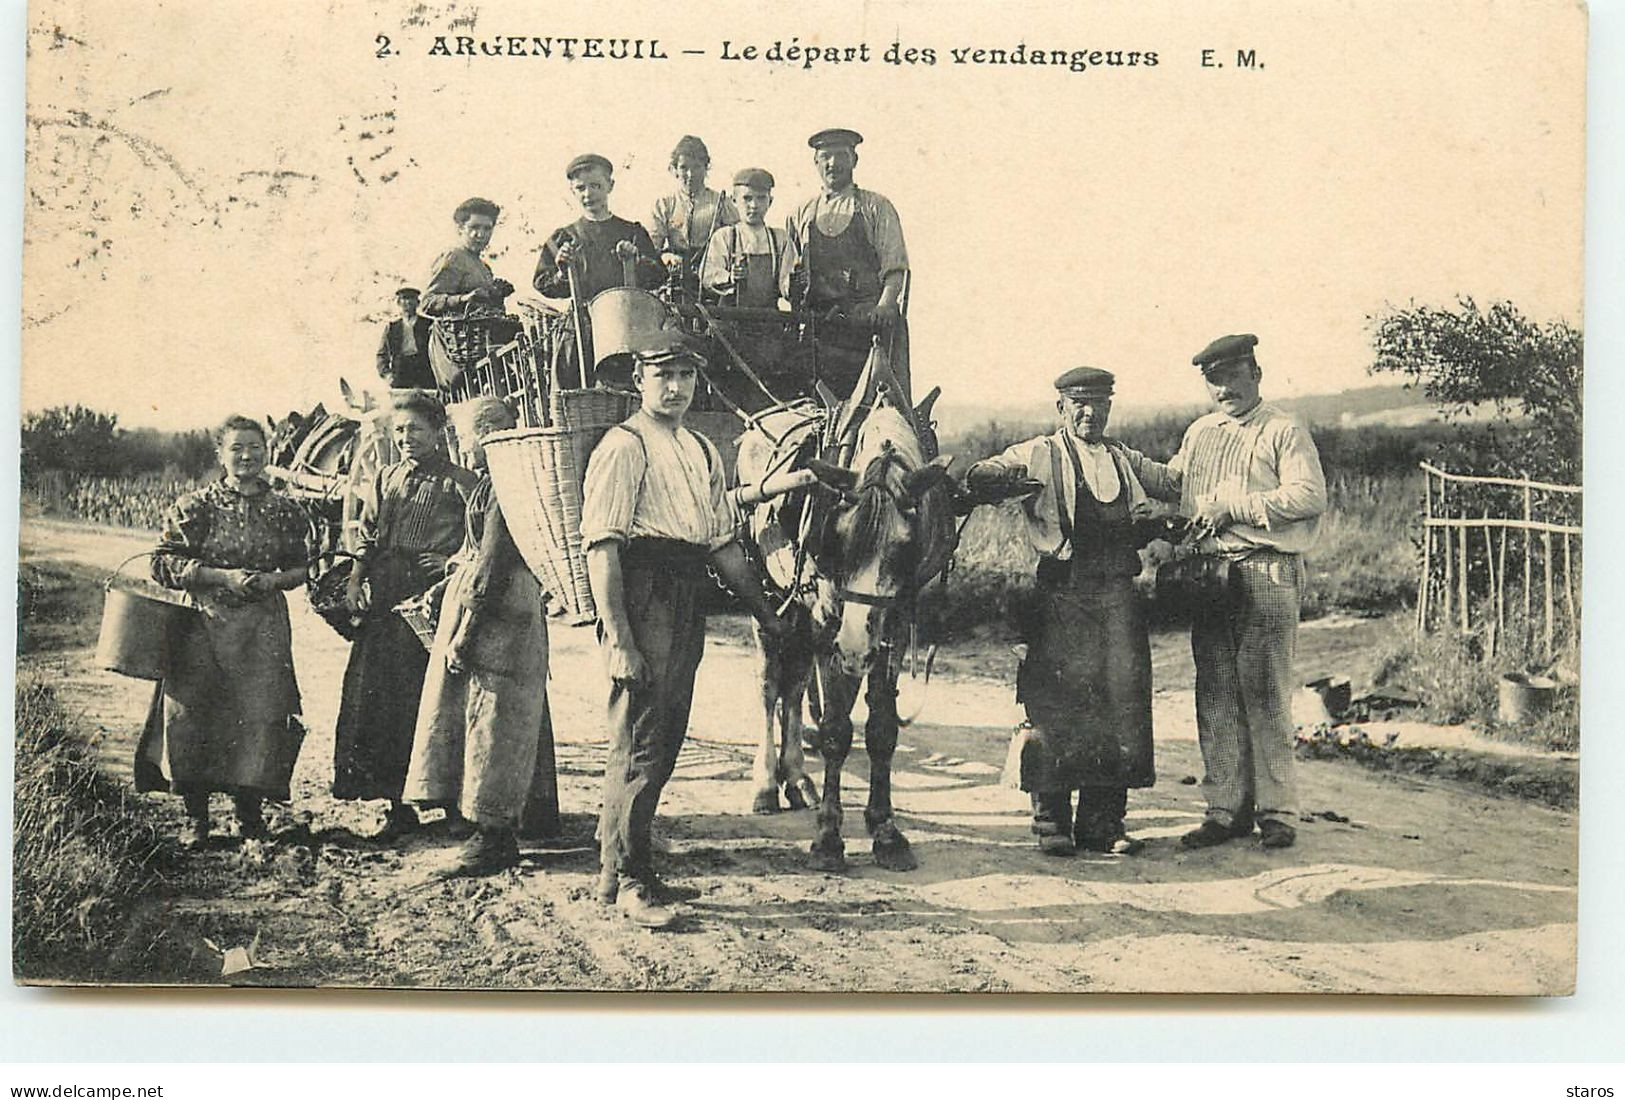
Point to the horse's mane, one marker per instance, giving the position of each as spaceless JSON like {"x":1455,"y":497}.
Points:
{"x":886,"y":425}
{"x":887,"y":451}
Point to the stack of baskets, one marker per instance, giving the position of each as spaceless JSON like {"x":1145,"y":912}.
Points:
{"x":538,"y":474}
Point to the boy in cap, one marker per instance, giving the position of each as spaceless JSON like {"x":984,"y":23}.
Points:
{"x":845,"y":255}
{"x":598,"y":245}
{"x":1249,"y":476}
{"x":653,"y":517}
{"x":1086,"y":678}
{"x":684,"y":221}
{"x":742,"y":261}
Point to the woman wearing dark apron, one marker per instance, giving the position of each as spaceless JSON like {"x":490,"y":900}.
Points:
{"x":412,"y":523}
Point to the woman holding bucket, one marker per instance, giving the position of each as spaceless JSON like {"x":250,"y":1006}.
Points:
{"x":226,"y":715}
{"x":412,"y":522}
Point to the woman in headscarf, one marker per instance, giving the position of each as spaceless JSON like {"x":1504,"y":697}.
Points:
{"x":412,"y":522}
{"x":483,"y":720}
{"x":226,"y":717}
{"x":683,"y":221}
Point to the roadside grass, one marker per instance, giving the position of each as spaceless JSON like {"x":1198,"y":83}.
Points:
{"x":1456,"y":683}
{"x":85,"y":849}
{"x":58,"y":605}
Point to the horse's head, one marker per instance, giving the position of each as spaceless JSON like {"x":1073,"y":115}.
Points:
{"x":882,"y":534}
{"x":285,"y":436}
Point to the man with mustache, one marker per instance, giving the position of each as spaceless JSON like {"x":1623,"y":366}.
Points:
{"x":1249,"y":476}
{"x":845,"y":260}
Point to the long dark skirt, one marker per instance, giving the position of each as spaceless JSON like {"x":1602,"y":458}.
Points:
{"x":382,"y":685}
{"x":1086,"y":684}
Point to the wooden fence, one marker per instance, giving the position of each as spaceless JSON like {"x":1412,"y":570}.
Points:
{"x":1495,"y":546}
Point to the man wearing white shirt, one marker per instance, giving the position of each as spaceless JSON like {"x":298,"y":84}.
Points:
{"x":1086,"y":678}
{"x":1250,"y":476}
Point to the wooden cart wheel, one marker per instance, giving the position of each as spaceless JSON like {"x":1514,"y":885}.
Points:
{"x":373,"y":451}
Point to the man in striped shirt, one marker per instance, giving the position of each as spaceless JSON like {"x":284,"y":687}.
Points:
{"x":1250,"y":477}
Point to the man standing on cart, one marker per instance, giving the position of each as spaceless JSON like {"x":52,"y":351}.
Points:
{"x":591,"y":254}
{"x":847,"y":264}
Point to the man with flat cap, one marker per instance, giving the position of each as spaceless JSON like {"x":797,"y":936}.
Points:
{"x":1086,"y":677}
{"x":1249,"y":476}
{"x":845,"y":255}
{"x":653,"y":517}
{"x":403,"y":350}
{"x":599,"y":245}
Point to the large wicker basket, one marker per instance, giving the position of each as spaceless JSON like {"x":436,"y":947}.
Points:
{"x":537,"y":474}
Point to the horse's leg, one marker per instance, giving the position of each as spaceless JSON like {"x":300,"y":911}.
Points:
{"x":891,"y":847}
{"x":835,"y":734}
{"x":764,"y":771}
{"x":799,"y":791}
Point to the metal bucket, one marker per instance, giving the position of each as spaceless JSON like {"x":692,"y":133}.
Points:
{"x":140,"y":621}
{"x":622,"y":318}
{"x":1522,"y":698}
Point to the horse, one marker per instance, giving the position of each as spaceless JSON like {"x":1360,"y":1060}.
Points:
{"x":850,"y":554}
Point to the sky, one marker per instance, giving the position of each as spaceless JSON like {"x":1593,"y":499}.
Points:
{"x":222,"y":198}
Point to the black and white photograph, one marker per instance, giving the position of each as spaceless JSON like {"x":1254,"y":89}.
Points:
{"x":815,"y":499}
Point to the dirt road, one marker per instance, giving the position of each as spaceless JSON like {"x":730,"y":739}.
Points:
{"x":1426,"y":888}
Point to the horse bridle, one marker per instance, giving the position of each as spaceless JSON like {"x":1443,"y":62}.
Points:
{"x":888,"y":457}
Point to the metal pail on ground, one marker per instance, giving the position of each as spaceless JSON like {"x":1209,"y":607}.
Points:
{"x":622,"y":318}
{"x":1522,"y":698}
{"x":139,"y":623}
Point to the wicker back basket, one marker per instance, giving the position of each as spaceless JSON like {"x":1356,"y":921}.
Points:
{"x":537,"y":474}
{"x":594,"y":408}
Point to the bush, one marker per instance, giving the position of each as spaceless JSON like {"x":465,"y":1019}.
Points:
{"x":84,"y":850}
{"x":1456,"y":683}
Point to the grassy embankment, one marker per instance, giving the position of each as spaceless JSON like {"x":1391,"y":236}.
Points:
{"x":85,"y":848}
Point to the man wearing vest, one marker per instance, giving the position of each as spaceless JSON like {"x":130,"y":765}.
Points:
{"x":1249,"y":475}
{"x":403,"y":351}
{"x":845,"y":260}
{"x":1086,"y":678}
{"x":653,"y":516}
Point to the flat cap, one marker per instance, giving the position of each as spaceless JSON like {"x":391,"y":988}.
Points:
{"x":1086,"y":380}
{"x":849,"y":138}
{"x":1224,"y":350}
{"x":759,"y":178}
{"x":664,"y":346}
{"x":690,"y":146}
{"x":409,"y":292}
{"x":588,"y":160}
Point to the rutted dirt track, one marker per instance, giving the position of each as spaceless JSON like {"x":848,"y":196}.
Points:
{"x":1427,"y":888}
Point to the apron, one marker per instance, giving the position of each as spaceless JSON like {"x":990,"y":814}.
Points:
{"x":1086,"y":680}
{"x":226,"y":716}
{"x":843,"y":271}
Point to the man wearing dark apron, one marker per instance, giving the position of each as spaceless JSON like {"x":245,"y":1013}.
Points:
{"x":847,"y":264}
{"x":1086,"y":677}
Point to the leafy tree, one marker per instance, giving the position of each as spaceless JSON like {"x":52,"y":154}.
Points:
{"x":1466,"y":356}
{"x":71,"y":438}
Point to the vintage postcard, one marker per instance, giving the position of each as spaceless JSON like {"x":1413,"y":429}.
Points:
{"x":842,"y":498}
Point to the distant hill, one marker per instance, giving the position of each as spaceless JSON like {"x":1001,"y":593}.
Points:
{"x":1387,"y":404}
